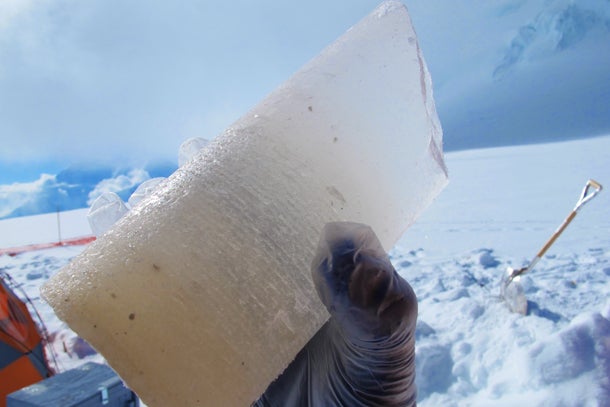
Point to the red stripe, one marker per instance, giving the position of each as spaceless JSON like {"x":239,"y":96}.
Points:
{"x":77,"y":241}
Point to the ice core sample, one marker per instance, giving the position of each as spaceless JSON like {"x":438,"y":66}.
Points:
{"x":202,"y":295}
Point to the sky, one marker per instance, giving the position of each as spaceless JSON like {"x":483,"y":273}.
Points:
{"x":115,"y":80}
{"x":126,"y":82}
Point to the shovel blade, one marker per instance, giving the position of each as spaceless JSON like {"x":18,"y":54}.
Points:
{"x":513,"y":293}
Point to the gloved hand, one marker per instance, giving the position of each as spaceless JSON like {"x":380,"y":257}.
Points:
{"x":364,"y":355}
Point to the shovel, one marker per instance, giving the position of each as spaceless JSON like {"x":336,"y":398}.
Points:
{"x":512,"y":290}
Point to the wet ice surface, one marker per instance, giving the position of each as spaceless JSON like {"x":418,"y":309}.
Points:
{"x":470,"y":349}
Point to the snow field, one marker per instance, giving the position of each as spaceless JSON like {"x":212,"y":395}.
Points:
{"x":501,"y":205}
{"x":472,"y":351}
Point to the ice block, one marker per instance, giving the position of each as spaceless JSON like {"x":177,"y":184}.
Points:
{"x":202,"y":293}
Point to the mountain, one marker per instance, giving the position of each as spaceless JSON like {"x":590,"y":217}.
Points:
{"x":517,"y":72}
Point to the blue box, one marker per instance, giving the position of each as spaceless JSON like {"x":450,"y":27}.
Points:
{"x":90,"y":385}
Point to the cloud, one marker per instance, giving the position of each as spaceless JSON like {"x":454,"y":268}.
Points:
{"x":121,"y":183}
{"x":115,"y":81}
{"x":73,"y":188}
{"x":16,"y":195}
{"x":111,"y":81}
{"x":11,"y":10}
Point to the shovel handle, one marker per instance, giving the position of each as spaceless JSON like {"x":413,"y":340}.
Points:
{"x":558,"y":232}
{"x":591,"y":189}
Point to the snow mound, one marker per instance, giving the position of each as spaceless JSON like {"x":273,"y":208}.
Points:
{"x":471,"y":348}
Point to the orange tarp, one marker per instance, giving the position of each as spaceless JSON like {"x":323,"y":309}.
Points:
{"x":19,"y":374}
{"x":22,"y":359}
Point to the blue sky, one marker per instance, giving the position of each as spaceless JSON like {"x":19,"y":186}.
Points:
{"x":126,"y":82}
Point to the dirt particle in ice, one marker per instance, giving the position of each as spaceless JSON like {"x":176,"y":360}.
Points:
{"x":94,"y":326}
{"x":67,"y":299}
{"x":132,"y":316}
{"x":113,"y":295}
{"x":335,"y":139}
{"x":156,"y":267}
{"x":310,"y":108}
{"x":334,"y":192}
{"x":243,"y":363}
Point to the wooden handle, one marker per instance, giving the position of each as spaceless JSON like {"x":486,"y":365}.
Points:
{"x":558,"y":232}
{"x":595,"y":184}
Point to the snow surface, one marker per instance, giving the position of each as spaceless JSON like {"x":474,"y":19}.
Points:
{"x":22,"y":231}
{"x":501,"y":206}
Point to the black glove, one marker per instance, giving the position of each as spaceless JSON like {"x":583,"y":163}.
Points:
{"x":364,"y":355}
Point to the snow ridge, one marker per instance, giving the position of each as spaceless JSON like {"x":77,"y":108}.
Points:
{"x":556,"y":29}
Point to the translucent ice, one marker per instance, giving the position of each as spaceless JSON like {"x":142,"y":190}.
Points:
{"x":143,"y":190}
{"x":105,"y":211}
{"x":189,"y":148}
